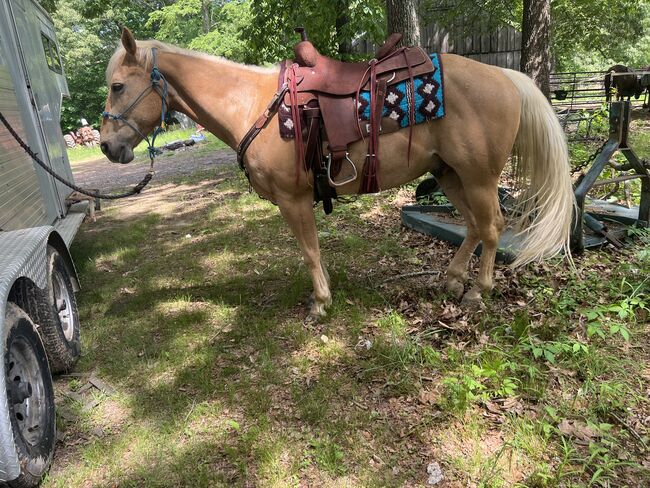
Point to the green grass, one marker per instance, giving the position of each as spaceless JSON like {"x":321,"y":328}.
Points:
{"x":192,"y":307}
{"x":81,"y":154}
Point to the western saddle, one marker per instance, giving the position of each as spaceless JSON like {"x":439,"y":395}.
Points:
{"x":325,"y":93}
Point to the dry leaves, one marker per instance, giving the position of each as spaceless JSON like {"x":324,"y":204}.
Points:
{"x":428,"y":397}
{"x":497,"y":408}
{"x":581,"y":432}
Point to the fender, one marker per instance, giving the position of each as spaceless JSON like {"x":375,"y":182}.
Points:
{"x":23,"y":254}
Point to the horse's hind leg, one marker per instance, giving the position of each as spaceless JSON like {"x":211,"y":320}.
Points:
{"x":299,"y":214}
{"x":457,"y":274}
{"x":483,"y":199}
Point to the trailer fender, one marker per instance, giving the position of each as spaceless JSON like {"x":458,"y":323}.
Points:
{"x":56,"y":241}
{"x":23,"y":254}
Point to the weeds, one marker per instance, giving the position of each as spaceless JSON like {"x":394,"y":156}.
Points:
{"x":202,"y":338}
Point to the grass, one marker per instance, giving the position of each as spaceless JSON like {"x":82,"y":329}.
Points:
{"x":192,"y":305}
{"x":81,"y":154}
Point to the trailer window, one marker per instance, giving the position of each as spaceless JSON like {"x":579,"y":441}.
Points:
{"x":56,"y":59}
{"x":51,"y":54}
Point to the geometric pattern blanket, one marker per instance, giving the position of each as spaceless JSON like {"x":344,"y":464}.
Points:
{"x":428,"y":101}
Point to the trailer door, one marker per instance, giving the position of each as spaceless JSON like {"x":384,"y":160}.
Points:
{"x":46,"y":84}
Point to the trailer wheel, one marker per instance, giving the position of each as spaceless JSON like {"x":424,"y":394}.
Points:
{"x":30,"y":397}
{"x":55,"y":312}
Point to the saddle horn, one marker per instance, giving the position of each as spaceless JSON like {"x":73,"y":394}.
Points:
{"x":305,"y":53}
{"x":302,"y":32}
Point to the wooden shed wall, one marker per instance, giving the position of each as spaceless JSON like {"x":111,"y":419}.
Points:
{"x":501,"y":48}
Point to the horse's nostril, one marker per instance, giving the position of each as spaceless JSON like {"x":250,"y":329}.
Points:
{"x":104,"y":147}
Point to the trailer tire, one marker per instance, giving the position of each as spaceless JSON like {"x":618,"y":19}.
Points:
{"x":55,"y":311}
{"x":30,"y":397}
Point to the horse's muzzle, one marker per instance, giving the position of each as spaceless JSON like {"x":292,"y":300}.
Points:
{"x":117,"y":153}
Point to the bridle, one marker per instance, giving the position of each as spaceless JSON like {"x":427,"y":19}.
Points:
{"x":156,"y":78}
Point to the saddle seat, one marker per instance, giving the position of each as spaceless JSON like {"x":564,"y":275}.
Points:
{"x":323,"y":74}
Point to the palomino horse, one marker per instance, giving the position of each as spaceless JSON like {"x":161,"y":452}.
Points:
{"x":489,"y":110}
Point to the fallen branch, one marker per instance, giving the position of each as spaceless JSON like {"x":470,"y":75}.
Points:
{"x":410,"y":275}
{"x":630,"y":429}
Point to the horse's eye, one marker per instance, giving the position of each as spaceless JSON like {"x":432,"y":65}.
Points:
{"x":117,"y":87}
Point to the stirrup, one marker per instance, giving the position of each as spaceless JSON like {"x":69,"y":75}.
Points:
{"x":345,"y":182}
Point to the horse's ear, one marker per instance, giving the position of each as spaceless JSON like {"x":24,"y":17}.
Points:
{"x":128,"y":41}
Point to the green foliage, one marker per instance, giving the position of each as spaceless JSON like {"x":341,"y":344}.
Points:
{"x":588,"y":27}
{"x":212,"y":27}
{"x":586,"y":34}
{"x":328,"y":455}
{"x":328,"y":25}
{"x":88,"y":33}
{"x":613,"y":318}
{"x":227,"y":38}
{"x":178,"y":22}
{"x":49,"y":5}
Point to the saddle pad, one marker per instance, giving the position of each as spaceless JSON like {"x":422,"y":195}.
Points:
{"x":429,"y":102}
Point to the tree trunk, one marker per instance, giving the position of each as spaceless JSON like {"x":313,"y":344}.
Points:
{"x":535,"y":40}
{"x":403,"y":17}
{"x":205,"y":12}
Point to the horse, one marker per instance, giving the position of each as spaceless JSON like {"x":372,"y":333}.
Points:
{"x":645,"y":85}
{"x":490,"y":112}
{"x":627,"y":85}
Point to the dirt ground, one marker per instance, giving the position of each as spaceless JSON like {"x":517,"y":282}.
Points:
{"x":103,"y":175}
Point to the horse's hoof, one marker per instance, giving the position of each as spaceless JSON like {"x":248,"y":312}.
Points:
{"x":311,"y":319}
{"x":455,"y":287}
{"x":472,"y":300}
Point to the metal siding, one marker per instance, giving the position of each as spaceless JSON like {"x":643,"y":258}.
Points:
{"x":21,"y":202}
{"x":47,"y":92}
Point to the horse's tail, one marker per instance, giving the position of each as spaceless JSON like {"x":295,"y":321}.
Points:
{"x":544,"y":210}
{"x":608,"y":86}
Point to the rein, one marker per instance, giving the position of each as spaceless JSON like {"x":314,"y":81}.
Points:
{"x":263,"y":120}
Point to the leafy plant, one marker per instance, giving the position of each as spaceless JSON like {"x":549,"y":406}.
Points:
{"x":329,"y":455}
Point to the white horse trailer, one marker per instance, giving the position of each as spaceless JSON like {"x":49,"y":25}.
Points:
{"x":39,"y":324}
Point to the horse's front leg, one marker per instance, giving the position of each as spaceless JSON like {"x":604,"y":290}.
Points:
{"x":299,"y":213}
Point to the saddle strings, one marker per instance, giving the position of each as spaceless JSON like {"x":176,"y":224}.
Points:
{"x":297,"y":125}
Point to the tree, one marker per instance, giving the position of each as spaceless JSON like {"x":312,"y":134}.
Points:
{"x":333,"y":26}
{"x":580,"y":29}
{"x":88,"y":33}
{"x":535,"y":48}
{"x":403,"y":17}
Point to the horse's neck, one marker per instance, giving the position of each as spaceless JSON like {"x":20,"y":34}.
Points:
{"x":225,"y":97}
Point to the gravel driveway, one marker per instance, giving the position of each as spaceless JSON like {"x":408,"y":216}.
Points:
{"x":104,"y":175}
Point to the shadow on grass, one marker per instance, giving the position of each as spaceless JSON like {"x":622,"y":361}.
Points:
{"x":203,"y":306}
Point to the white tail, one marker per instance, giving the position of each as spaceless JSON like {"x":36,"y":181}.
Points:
{"x":545,"y":209}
